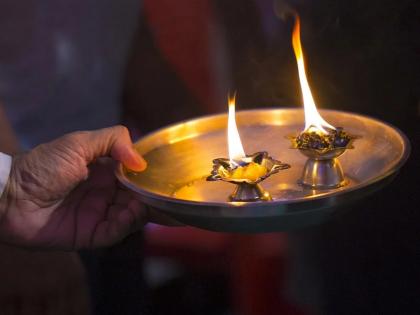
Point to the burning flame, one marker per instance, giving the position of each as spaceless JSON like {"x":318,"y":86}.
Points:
{"x":236,"y":150}
{"x":313,"y":120}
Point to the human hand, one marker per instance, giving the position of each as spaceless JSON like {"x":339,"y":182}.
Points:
{"x":64,"y":195}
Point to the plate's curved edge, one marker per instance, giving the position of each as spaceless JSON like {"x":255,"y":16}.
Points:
{"x":404,"y":156}
{"x":217,"y":210}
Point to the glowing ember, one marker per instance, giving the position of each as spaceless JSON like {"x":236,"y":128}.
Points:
{"x":313,"y":120}
{"x":252,"y":172}
{"x":312,"y":140}
{"x":254,"y":169}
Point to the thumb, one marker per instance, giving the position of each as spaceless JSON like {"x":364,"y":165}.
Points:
{"x":115,"y":142}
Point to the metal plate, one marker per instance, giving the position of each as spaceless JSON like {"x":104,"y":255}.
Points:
{"x":180,"y":158}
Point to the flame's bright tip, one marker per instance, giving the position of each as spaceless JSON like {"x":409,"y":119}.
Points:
{"x":236,"y":150}
{"x":313,"y":120}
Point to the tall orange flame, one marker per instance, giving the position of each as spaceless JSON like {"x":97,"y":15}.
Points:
{"x":313,"y":120}
{"x":236,"y":150}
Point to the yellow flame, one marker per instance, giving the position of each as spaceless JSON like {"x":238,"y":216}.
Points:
{"x":236,"y":150}
{"x":313,"y":119}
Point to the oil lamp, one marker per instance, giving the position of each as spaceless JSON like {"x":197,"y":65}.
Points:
{"x":245,"y":171}
{"x":176,"y":181}
{"x":321,"y":142}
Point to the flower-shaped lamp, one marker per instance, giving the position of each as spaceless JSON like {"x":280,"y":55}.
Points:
{"x":246,"y":175}
{"x":322,"y":170}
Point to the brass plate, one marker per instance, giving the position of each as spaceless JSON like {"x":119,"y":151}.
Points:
{"x":180,"y":158}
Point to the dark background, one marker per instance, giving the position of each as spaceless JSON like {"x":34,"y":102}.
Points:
{"x":187,"y":55}
{"x":362,"y":56}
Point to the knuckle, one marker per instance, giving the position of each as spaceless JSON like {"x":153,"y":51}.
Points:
{"x":120,"y":130}
{"x":74,"y":144}
{"x":76,"y":137}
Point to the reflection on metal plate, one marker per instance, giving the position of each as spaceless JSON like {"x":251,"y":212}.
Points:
{"x":180,"y":158}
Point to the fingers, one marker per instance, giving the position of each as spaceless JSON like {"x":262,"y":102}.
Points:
{"x":124,"y":220}
{"x":121,"y":221}
{"x":114,"y":141}
{"x":156,"y":216}
{"x":126,"y":215}
{"x":92,"y":209}
{"x":123,"y":196}
{"x":122,"y":150}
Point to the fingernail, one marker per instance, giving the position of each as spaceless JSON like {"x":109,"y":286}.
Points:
{"x":139,"y":161}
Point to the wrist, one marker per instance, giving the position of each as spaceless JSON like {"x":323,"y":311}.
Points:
{"x":6,"y":165}
{"x":8,"y":205}
{"x":8,"y":191}
{"x":4,"y":200}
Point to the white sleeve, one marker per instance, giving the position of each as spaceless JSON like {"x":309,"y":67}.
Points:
{"x":5,"y":166}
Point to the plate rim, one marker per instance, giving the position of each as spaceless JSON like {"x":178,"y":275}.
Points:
{"x":406,"y":150}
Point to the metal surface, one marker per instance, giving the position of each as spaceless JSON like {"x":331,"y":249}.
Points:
{"x":323,"y":170}
{"x":323,"y":174}
{"x":180,"y":157}
{"x":250,"y":193}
